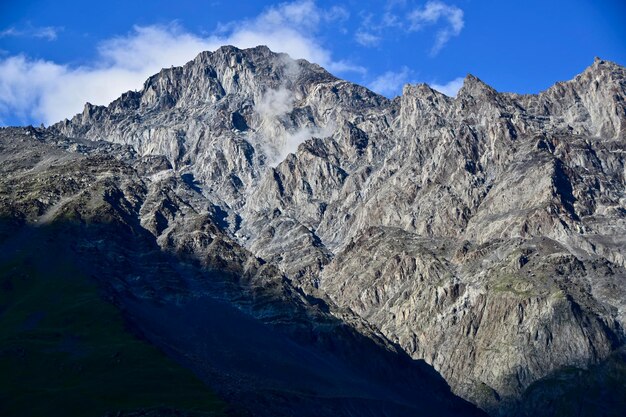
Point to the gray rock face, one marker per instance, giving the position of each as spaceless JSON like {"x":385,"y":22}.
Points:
{"x":484,"y":234}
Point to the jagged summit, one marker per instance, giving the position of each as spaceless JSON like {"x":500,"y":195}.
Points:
{"x":263,"y":69}
{"x":475,"y":87}
{"x":599,"y":62}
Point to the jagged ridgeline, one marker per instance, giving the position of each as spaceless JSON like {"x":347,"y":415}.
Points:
{"x":265,"y":239}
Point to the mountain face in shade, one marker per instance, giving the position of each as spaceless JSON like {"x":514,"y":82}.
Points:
{"x":308,"y":247}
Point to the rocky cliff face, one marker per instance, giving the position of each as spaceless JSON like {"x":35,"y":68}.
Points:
{"x":483,"y":234}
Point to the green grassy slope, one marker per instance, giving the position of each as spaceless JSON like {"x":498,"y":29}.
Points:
{"x":64,"y":351}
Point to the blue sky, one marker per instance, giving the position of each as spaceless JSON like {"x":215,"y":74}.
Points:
{"x":56,"y":55}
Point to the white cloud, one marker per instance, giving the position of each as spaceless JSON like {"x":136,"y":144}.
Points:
{"x":40,"y":90}
{"x":400,"y":17}
{"x":390,"y":83}
{"x":367,"y":39}
{"x":22,"y":83}
{"x":372,"y":29}
{"x":45,"y":32}
{"x":35,"y":90}
{"x":336,"y":14}
{"x":451,"y":88}
{"x":390,"y":20}
{"x":276,"y":138}
{"x":290,"y":141}
{"x":290,"y":28}
{"x":275,"y":103}
{"x":431,"y":14}
{"x":304,"y":14}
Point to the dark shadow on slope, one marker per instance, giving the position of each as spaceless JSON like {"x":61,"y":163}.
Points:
{"x":597,"y":391}
{"x":66,"y":351}
{"x":266,"y":350}
{"x":191,"y":182}
{"x":564,"y":188}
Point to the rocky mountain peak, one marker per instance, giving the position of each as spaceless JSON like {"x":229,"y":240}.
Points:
{"x":475,"y":87}
{"x":593,"y":101}
{"x":601,"y":64}
{"x":600,"y":73}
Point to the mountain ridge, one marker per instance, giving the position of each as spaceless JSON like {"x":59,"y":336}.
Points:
{"x":489,"y":221}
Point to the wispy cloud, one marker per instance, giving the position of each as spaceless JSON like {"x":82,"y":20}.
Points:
{"x":373,"y":28}
{"x":391,"y":82}
{"x":367,"y":39}
{"x":337,"y":14}
{"x":49,"y":33}
{"x":35,"y":90}
{"x":450,"y":88}
{"x":433,"y":12}
{"x":276,"y":139}
{"x":400,"y":16}
{"x":290,"y":28}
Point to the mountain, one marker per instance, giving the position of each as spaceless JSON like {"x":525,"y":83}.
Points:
{"x":308,"y":247}
{"x":77,"y":246}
